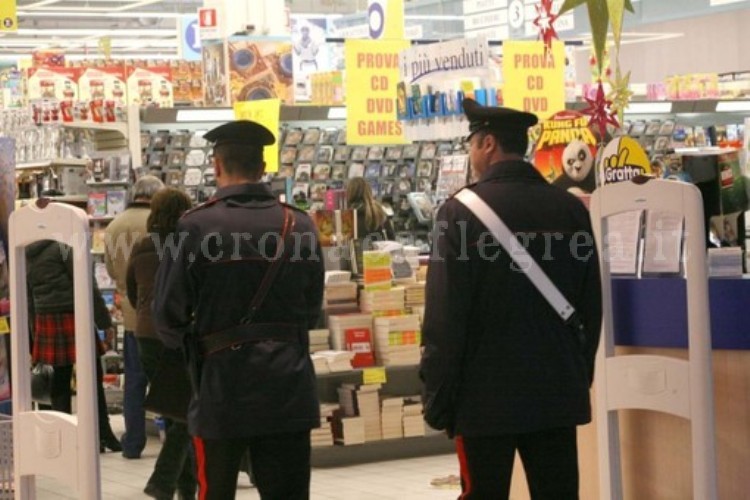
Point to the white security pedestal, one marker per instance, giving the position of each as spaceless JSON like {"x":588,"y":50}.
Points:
{"x":51,"y":443}
{"x":678,"y":387}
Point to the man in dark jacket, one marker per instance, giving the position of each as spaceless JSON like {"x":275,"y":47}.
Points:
{"x":254,"y":381}
{"x":502,"y":371}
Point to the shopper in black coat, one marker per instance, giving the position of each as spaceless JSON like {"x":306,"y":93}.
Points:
{"x":49,"y":281}
{"x":501,"y":370}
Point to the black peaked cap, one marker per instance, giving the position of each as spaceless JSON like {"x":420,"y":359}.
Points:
{"x":497,"y":119}
{"x":243,"y":132}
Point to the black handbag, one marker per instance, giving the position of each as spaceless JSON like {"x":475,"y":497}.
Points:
{"x":41,"y":383}
{"x":169,"y":392}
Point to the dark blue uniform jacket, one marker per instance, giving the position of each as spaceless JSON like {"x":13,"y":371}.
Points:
{"x":255,"y":388}
{"x":497,"y":359}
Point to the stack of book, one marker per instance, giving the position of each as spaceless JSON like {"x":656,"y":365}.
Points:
{"x":413,"y":420}
{"x":323,"y":436}
{"x":397,"y":340}
{"x":414,"y":294}
{"x":362,"y":401}
{"x":347,"y":430}
{"x":339,"y":294}
{"x":383,"y":302}
{"x":340,"y":323}
{"x":391,"y":413}
{"x":332,"y":361}
{"x":319,"y":340}
{"x":377,"y":270}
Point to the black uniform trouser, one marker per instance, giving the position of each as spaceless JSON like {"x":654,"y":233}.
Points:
{"x":550,"y":460}
{"x":280,"y":463}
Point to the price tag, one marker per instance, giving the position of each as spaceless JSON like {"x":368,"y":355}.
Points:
{"x":4,"y":328}
{"x":374,"y":375}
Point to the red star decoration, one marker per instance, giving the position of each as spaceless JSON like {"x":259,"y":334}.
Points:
{"x":600,"y":112}
{"x":545,"y":23}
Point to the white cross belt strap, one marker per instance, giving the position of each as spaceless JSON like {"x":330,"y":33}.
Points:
{"x":504,"y":236}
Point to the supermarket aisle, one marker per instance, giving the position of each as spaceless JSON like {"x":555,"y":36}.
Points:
{"x":400,"y":479}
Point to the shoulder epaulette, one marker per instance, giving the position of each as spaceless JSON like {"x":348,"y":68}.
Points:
{"x":468,"y":186}
{"x":203,"y":205}
{"x":293,"y":207}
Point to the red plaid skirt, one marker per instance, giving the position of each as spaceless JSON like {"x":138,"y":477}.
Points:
{"x":54,"y":339}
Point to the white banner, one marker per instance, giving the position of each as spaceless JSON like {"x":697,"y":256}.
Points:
{"x":439,"y":59}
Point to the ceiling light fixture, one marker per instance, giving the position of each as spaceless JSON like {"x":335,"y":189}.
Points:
{"x":102,"y":14}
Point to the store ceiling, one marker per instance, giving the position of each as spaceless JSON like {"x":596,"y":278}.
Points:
{"x":136,"y":27}
{"x":147,"y":28}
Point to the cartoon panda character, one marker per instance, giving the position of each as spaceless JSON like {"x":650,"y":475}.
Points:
{"x":578,"y":165}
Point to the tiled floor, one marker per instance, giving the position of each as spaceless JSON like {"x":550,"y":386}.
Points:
{"x":399,"y":479}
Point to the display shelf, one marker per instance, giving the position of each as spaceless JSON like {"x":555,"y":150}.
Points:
{"x":400,"y":381}
{"x":107,"y":183}
{"x":377,"y":451}
{"x":121,"y":127}
{"x":35,"y":165}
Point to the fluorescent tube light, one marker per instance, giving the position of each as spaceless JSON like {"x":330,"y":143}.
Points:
{"x":645,"y":108}
{"x":732,"y":106}
{"x":205,"y":115}
{"x":338,"y":113}
{"x":71,"y":13}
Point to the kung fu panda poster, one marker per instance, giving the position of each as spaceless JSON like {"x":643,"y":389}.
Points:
{"x":565,"y":152}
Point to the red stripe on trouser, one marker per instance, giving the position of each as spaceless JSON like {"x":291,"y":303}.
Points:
{"x":465,"y":476}
{"x":200,"y":463}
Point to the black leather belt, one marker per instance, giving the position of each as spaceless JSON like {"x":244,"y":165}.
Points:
{"x":251,"y":332}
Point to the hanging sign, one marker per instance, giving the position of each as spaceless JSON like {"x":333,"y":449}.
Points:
{"x":565,"y":151}
{"x":190,"y":38}
{"x":265,"y":112}
{"x":623,"y":159}
{"x":8,"y":17}
{"x":386,"y":19}
{"x":534,"y":82}
{"x":371,"y":78}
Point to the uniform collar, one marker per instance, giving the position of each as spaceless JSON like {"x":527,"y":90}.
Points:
{"x":251,"y":189}
{"x":512,"y":169}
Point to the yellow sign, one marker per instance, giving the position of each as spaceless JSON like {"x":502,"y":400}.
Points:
{"x":623,"y":159}
{"x":534,"y":82}
{"x":374,"y":375}
{"x":386,"y":19}
{"x":372,"y":73}
{"x":8,"y":18}
{"x":265,"y":112}
{"x":105,"y":46}
{"x":4,"y":327}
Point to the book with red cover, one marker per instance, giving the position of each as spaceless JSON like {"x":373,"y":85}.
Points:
{"x":359,"y":341}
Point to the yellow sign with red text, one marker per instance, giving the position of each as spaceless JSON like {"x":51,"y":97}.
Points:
{"x":372,"y":73}
{"x":265,"y":112}
{"x":534,"y":82}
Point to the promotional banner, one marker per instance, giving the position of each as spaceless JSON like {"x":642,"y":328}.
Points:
{"x":265,"y":112}
{"x":372,"y":72}
{"x":386,"y":19}
{"x":260,"y":69}
{"x":534,"y":82}
{"x":310,"y":54}
{"x":8,"y":18}
{"x":623,"y":159}
{"x":565,"y":152}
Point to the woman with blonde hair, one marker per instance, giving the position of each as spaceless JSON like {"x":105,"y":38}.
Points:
{"x":372,"y":221}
